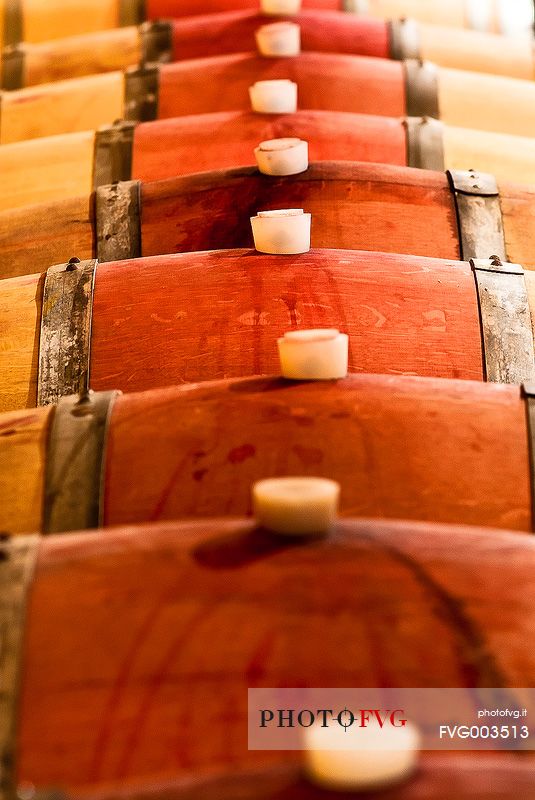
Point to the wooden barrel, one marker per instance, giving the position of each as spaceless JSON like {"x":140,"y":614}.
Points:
{"x":497,"y":16}
{"x":355,"y":206}
{"x":438,"y":778}
{"x":145,"y":616}
{"x":39,"y":21}
{"x":234,"y":32}
{"x":36,"y":21}
{"x":326,"y":81}
{"x":403,"y":314}
{"x":424,"y":448}
{"x":70,"y":165}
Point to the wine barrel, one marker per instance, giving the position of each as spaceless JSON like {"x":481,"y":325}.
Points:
{"x":234,"y":32}
{"x":424,"y":448}
{"x":497,"y":16}
{"x":403,"y":314}
{"x":69,"y":165}
{"x":146,"y":613}
{"x":39,"y":21}
{"x":326,"y":81}
{"x":355,"y":206}
{"x":438,"y":778}
{"x":35,"y":21}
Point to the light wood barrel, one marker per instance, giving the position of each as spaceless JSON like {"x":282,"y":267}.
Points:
{"x":234,"y":32}
{"x":41,"y":20}
{"x":403,"y":314}
{"x":326,"y":81}
{"x":145,"y":616}
{"x":424,"y":448}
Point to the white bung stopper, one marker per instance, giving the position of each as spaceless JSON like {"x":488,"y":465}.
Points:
{"x":282,"y":232}
{"x":360,"y":758}
{"x":282,"y":156}
{"x":314,"y":355}
{"x":296,"y":506}
{"x":274,"y":97}
{"x":279,"y":39}
{"x":275,"y":7}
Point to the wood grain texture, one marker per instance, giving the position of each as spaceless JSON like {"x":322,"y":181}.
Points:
{"x":20,"y":318}
{"x":164,"y":628}
{"x":233,"y":32}
{"x":44,"y":20}
{"x":326,"y":81}
{"x":451,"y":13}
{"x":477,"y":52}
{"x":62,"y":107}
{"x":487,"y":102}
{"x":23,"y":441}
{"x":401,"y":447}
{"x":355,"y":206}
{"x":168,"y":148}
{"x":44,"y":170}
{"x":87,"y":54}
{"x":439,"y":777}
{"x":33,"y":239}
{"x":518,"y":211}
{"x":508,"y":158}
{"x":202,"y":316}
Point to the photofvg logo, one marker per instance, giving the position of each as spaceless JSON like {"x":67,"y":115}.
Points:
{"x":327,"y":717}
{"x":391,"y":719}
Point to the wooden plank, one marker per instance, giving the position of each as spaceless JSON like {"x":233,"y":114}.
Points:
{"x":354,"y":206}
{"x":45,"y":170}
{"x":401,"y":447}
{"x":518,"y":211}
{"x":63,"y":107}
{"x":45,"y":20}
{"x":450,"y":14}
{"x":17,"y":562}
{"x":89,"y":54}
{"x":23,"y":441}
{"x":508,"y":158}
{"x":34,"y":238}
{"x":20,"y":315}
{"x":220,"y":314}
{"x":167,"y":148}
{"x":477,"y":52}
{"x":133,"y":663}
{"x":487,"y":102}
{"x":325,"y":80}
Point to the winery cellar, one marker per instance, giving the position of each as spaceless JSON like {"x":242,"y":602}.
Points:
{"x":267,"y":399}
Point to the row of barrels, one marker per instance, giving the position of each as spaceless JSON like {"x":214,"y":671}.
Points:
{"x":134,"y":646}
{"x":30,"y":64}
{"x":36,"y":21}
